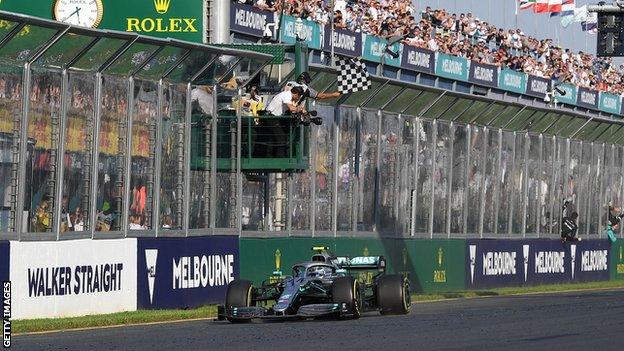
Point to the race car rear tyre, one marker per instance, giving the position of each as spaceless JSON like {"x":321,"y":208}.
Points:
{"x":393,"y":294}
{"x":239,"y":294}
{"x":347,"y":290}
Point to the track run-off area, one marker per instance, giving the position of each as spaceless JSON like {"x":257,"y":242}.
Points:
{"x":585,"y":320}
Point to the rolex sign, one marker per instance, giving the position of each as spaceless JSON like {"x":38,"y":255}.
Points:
{"x":178,"y":19}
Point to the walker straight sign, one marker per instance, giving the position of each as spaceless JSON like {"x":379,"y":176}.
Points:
{"x":185,"y":272}
{"x":73,"y":278}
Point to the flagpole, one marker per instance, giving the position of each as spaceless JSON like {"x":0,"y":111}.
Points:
{"x":516,"y":13}
{"x":557,"y":33}
{"x":331,"y":34}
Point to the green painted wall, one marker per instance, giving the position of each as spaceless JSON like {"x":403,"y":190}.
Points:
{"x":433,"y":265}
{"x":617,"y":260}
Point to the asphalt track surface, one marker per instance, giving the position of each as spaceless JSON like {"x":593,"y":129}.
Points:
{"x":589,"y":320}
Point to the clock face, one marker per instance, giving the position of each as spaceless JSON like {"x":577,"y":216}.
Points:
{"x":85,"y":13}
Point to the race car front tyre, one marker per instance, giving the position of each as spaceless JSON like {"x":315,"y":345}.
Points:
{"x":347,"y":290}
{"x":239,"y":294}
{"x":393,"y":294}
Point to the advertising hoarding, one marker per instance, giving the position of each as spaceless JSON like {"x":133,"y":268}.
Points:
{"x":419,"y":60}
{"x":311,"y":32}
{"x":452,"y":67}
{"x":179,"y":19}
{"x":483,"y":74}
{"x":587,"y":98}
{"x":610,"y":103}
{"x":512,"y":81}
{"x":537,"y":86}
{"x":498,"y":263}
{"x":73,"y":278}
{"x":250,"y":20}
{"x":570,"y":94}
{"x":185,"y":272}
{"x":4,"y":260}
{"x":375,"y":51}
{"x":346,"y":43}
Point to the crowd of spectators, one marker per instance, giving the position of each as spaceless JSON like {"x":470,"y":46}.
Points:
{"x":462,"y":35}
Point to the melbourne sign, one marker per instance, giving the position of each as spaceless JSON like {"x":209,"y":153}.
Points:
{"x":537,"y":86}
{"x":512,"y":81}
{"x":591,"y":260}
{"x":452,"y":67}
{"x":179,"y":19}
{"x":610,"y":103}
{"x":483,"y":74}
{"x":344,"y":42}
{"x":311,"y":32}
{"x":185,"y":272}
{"x":250,"y":20}
{"x":73,"y":278}
{"x":375,"y":51}
{"x":419,"y":60}
{"x":493,"y":263}
{"x":4,"y":260}
{"x":570,"y":94}
{"x":587,"y":98}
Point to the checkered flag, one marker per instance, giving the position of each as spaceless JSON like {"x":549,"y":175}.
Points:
{"x":353,"y":76}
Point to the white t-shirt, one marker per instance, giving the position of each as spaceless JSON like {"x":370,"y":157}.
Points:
{"x":204,"y":99}
{"x":278,"y":105}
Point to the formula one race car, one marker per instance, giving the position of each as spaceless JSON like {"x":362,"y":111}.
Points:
{"x":324,"y":287}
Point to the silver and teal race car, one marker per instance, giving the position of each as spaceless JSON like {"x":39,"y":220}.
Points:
{"x":323,"y":287}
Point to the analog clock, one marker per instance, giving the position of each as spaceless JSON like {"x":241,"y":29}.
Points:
{"x":85,"y":13}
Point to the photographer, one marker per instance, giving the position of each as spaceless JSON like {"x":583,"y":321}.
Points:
{"x":283,"y":104}
{"x":303,"y":80}
{"x":287,"y":102}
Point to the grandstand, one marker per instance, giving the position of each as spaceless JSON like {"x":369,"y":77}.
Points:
{"x":504,"y":138}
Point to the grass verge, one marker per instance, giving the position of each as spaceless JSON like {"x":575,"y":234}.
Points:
{"x":152,"y":316}
{"x":518,"y":290}
{"x":121,"y":318}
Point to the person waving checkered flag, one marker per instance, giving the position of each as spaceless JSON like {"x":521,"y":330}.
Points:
{"x":353,"y":76}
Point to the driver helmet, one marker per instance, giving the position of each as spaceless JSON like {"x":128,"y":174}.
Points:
{"x":304,"y":77}
{"x":317,"y":271}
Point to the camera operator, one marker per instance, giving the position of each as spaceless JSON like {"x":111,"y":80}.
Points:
{"x":282,"y":104}
{"x":303,"y":80}
{"x":287,"y":102}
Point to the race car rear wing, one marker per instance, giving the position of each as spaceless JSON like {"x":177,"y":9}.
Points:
{"x":349,"y":263}
{"x":361,"y":263}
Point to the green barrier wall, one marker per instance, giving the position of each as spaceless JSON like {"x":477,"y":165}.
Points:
{"x":617,"y":260}
{"x":433,"y":265}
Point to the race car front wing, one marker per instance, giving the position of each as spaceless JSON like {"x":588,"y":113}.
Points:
{"x":305,"y":311}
